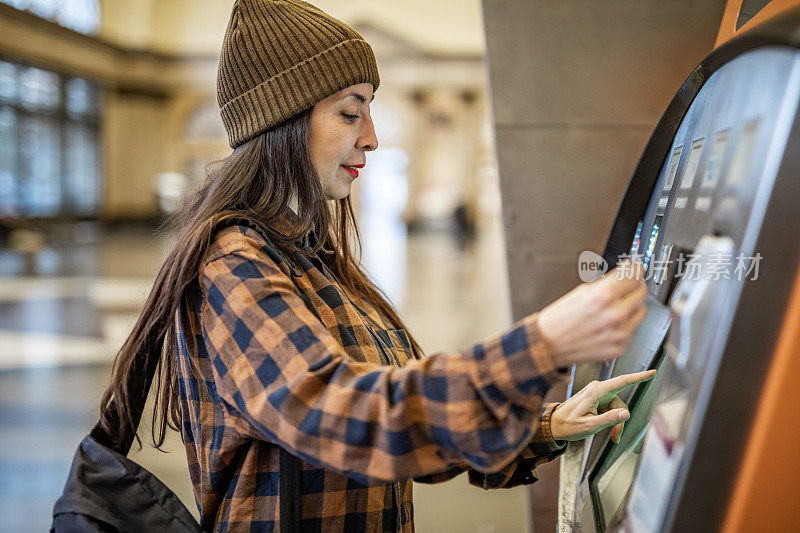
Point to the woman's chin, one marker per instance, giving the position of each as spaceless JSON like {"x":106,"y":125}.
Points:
{"x":343,"y":191}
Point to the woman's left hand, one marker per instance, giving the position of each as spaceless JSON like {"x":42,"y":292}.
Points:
{"x":595,"y":407}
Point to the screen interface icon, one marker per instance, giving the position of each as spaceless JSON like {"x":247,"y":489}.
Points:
{"x":651,"y":243}
{"x":691,"y":166}
{"x":714,"y":168}
{"x":741,"y":156}
{"x":673,"y":167}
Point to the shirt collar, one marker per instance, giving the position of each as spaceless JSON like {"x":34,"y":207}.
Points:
{"x":284,"y":224}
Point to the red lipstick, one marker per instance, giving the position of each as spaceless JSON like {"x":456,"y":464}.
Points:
{"x":352,"y":169}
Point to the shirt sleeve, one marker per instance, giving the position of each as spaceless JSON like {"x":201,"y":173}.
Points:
{"x":521,"y":470}
{"x":278,"y":368}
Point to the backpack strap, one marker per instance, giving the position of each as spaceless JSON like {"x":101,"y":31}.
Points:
{"x":289,"y":492}
{"x":142,"y":372}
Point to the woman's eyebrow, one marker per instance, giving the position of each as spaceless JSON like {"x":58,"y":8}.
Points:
{"x":360,"y":97}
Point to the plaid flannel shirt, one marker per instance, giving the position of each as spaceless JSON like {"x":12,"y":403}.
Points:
{"x":344,"y":393}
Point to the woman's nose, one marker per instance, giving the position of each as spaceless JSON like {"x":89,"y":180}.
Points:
{"x":368,"y":139}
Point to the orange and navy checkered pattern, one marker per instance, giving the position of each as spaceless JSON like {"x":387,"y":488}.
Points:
{"x":341,"y":390}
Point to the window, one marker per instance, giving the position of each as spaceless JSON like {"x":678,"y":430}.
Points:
{"x":80,"y":15}
{"x":49,"y":143}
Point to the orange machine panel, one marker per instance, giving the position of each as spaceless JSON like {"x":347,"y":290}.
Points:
{"x":727,"y":28}
{"x":766,"y":495}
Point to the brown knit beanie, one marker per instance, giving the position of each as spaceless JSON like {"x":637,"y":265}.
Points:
{"x":280,"y":57}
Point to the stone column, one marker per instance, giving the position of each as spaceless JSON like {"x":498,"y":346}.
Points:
{"x":442,"y":158}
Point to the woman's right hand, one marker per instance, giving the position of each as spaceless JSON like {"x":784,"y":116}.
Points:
{"x":595,"y":407}
{"x":596,"y":321}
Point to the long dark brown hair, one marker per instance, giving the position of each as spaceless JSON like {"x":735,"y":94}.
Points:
{"x":256,"y":181}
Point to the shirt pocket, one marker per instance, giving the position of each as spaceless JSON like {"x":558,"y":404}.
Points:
{"x":397,"y":343}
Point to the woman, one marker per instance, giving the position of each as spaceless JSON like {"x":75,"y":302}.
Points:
{"x":276,"y":339}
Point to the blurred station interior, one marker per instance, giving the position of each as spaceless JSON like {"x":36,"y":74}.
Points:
{"x":508,"y":129}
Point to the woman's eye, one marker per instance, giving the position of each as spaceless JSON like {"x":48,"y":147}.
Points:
{"x":349,"y":118}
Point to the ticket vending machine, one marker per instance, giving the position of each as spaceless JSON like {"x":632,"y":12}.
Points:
{"x":713,"y":210}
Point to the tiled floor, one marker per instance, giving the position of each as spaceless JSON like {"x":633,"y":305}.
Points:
{"x":58,"y":333}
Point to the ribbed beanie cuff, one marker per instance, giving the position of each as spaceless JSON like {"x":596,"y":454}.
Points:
{"x":299,"y":87}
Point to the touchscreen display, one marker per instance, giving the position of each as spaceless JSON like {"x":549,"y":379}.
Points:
{"x":639,"y":356}
{"x":648,"y":339}
{"x":613,"y":476}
